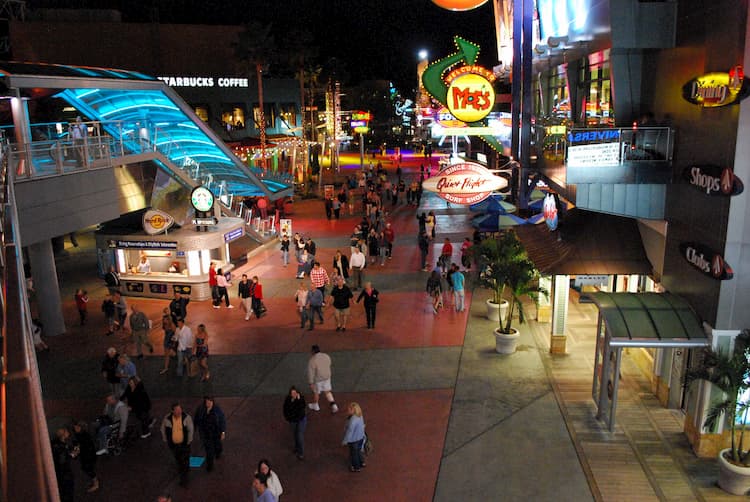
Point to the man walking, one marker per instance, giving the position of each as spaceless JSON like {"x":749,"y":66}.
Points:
{"x":424,"y":248}
{"x":212,"y":426}
{"x":244,"y":291}
{"x":139,"y":323}
{"x":122,"y":309}
{"x":341,"y":295}
{"x":390,"y":236}
{"x":357,"y":264}
{"x":178,"y":307}
{"x":185,"y":341}
{"x":457,"y":278}
{"x":319,"y":378}
{"x":177,"y":432}
{"x":319,"y":277}
{"x":314,"y":304}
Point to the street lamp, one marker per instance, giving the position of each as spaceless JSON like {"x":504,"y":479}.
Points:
{"x":422,"y":55}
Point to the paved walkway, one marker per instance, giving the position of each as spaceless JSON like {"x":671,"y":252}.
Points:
{"x":451,"y":419}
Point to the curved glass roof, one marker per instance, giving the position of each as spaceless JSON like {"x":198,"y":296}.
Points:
{"x":648,"y":319}
{"x":138,"y":117}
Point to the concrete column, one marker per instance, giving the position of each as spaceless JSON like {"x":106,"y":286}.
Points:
{"x":560,"y":294}
{"x":48,"y":300}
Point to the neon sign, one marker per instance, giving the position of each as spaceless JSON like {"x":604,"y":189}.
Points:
{"x":717,"y":89}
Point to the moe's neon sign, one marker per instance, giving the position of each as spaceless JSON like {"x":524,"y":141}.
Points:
{"x":717,"y":89}
{"x":464,"y":88}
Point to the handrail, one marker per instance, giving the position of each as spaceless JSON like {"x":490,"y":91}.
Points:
{"x":28,"y":472}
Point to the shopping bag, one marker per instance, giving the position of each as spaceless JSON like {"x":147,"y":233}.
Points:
{"x":367,"y":445}
{"x":193,"y":367}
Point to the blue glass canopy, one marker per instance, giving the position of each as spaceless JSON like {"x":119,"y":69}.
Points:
{"x":138,"y":115}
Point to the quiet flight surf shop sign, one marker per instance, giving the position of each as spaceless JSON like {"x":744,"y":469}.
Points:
{"x":464,"y":183}
{"x":706,"y":260}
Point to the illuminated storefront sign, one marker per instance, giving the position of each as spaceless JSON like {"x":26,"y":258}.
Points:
{"x":464,"y":183}
{"x":598,"y":135}
{"x":593,"y":155}
{"x":156,"y":221}
{"x":706,"y":260}
{"x":717,"y":89}
{"x":466,"y":90}
{"x":359,"y":122}
{"x":120,"y":244}
{"x":714,"y":180}
{"x":459,"y":5}
{"x":234,"y":234}
{"x":205,"y":81}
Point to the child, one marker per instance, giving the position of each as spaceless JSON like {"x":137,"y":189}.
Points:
{"x":82,"y":299}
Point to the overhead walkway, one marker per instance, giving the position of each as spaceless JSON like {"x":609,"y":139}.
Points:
{"x":131,"y":114}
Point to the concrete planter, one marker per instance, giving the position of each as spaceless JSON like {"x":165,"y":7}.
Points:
{"x":496,"y":312}
{"x":733,"y":479}
{"x":506,"y":343}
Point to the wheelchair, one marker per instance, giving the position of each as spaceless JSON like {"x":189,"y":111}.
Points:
{"x":112,"y":441}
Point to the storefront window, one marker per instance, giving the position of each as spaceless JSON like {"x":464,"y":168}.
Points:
{"x":232,"y":116}
{"x":597,"y":91}
{"x":559,"y":95}
{"x":288,"y":113}
{"x":202,"y":112}
{"x":269,"y":114}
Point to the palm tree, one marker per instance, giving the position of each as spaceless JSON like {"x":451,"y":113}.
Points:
{"x":256,"y":49}
{"x":729,"y":372}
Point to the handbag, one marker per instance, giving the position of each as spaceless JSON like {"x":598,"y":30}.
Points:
{"x":367,"y":446}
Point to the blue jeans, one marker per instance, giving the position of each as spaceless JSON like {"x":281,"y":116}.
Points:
{"x":458,"y":299}
{"x":355,"y":454}
{"x":182,"y":358}
{"x":313,"y":312}
{"x":298,"y":429}
{"x":285,"y":257}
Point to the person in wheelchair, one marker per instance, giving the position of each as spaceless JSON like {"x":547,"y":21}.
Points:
{"x":115,"y":417}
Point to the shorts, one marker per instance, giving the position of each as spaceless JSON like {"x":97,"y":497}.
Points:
{"x":323,"y":386}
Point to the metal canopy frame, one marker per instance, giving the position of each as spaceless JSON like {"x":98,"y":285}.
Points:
{"x":648,"y":320}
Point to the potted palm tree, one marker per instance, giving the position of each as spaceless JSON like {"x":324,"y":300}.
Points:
{"x":505,"y":267}
{"x":490,"y":254}
{"x":730,"y":373}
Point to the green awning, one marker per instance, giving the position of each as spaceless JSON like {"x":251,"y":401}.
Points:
{"x":648,"y":320}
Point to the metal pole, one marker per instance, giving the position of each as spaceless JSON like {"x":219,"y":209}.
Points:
{"x":361,"y":150}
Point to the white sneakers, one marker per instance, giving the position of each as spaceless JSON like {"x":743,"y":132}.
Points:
{"x":101,"y":452}
{"x":314,"y":406}
{"x":230,"y":306}
{"x":334,"y":408}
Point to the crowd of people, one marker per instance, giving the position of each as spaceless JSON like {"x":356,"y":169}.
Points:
{"x":349,"y":280}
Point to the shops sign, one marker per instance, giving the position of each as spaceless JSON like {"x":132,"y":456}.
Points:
{"x":156,"y":221}
{"x":714,"y":180}
{"x":706,"y":260}
{"x":717,"y":89}
{"x":464,"y":183}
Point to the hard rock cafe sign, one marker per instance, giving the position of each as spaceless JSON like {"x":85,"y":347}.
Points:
{"x":156,"y":221}
{"x":464,"y":183}
{"x":706,"y":260}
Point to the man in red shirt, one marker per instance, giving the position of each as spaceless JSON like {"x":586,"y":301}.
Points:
{"x":212,"y":283}
{"x":390,"y":236}
{"x":445,"y":255}
{"x":319,"y":278}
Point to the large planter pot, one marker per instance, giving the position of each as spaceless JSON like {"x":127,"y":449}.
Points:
{"x":495,"y":311}
{"x":506,"y":343}
{"x":733,"y":478}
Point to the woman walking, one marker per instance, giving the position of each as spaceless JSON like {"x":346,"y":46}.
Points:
{"x":201,"y":351}
{"x":257,"y":290}
{"x":211,"y":424}
{"x":435,"y":290}
{"x":272,"y":480}
{"x":285,"y":249}
{"x":85,"y":450}
{"x":82,"y":299}
{"x":139,"y":404}
{"x":370,"y":296}
{"x":295,"y":413}
{"x":354,"y":436}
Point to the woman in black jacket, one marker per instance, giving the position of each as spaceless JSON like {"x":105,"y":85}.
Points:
{"x":139,"y":403}
{"x":294,"y":413}
{"x":370,"y":295}
{"x":85,"y":450}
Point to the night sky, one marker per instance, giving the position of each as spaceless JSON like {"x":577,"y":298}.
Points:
{"x":375,"y":39}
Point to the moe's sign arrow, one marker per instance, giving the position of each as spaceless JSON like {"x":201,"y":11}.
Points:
{"x":706,"y":260}
{"x":465,"y":183}
{"x":713,"y":180}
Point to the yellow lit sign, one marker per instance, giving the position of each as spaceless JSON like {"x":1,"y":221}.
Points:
{"x":470,"y":97}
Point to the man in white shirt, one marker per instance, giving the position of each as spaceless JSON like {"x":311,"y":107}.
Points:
{"x":185,"y":340}
{"x":357,"y":264}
